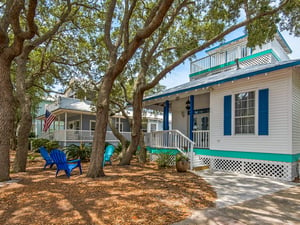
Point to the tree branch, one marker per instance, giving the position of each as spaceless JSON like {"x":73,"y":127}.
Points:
{"x":107,"y":26}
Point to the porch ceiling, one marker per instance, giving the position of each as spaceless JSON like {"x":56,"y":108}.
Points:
{"x":158,"y":103}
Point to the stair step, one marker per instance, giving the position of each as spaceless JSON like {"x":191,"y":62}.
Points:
{"x":201,"y":168}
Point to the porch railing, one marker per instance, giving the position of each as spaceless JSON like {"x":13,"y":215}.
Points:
{"x":172,"y":139}
{"x":80,"y":136}
{"x":201,"y":138}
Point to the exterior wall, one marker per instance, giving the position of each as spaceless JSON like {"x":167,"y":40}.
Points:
{"x":278,"y":140}
{"x":158,"y":124}
{"x":201,"y":101}
{"x":86,"y":121}
{"x":276,"y":47}
{"x":180,"y":116}
{"x":296,"y":112}
{"x":37,"y":125}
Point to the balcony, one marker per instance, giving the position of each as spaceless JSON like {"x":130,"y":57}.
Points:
{"x":220,"y":62}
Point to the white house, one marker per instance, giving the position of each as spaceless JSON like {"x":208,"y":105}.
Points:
{"x":75,"y":122}
{"x":240,"y":112}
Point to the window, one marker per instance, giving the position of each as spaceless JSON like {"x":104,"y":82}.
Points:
{"x":245,"y":113}
{"x":92,"y":125}
{"x":74,"y":125}
{"x":119,"y":126}
{"x":231,"y":55}
{"x":153,"y":127}
{"x":245,"y":51}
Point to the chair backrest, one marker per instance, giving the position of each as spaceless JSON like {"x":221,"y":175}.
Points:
{"x":60,"y":159}
{"x":109,"y":151}
{"x":44,"y":153}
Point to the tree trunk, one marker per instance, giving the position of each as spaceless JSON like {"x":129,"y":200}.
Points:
{"x":25,"y":123}
{"x":136,"y":127}
{"x":143,"y":152}
{"x":6,"y":117}
{"x":121,"y":138}
{"x":23,"y":137}
{"x":96,"y":168}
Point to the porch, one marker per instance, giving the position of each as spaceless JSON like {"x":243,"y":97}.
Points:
{"x":71,"y":136}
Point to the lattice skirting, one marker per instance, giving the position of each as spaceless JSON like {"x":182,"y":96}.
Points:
{"x":171,"y":159}
{"x":278,"y":170}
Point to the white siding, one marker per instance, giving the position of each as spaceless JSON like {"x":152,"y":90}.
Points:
{"x":179,"y":115}
{"x":279,"y":127}
{"x":296,"y":112}
{"x":277,"y":48}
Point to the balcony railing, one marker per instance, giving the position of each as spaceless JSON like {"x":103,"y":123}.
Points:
{"x":219,"y":62}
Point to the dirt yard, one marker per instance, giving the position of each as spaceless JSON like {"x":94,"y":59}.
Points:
{"x":135,"y":194}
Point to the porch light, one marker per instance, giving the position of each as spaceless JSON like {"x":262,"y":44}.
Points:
{"x":188,"y":104}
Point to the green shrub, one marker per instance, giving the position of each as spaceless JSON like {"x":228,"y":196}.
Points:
{"x":118,"y":149}
{"x":181,"y":157}
{"x":51,"y":145}
{"x":163,"y":160}
{"x":36,"y":143}
{"x":82,"y":151}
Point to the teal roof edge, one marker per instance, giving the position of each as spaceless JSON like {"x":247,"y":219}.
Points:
{"x":285,"y":42}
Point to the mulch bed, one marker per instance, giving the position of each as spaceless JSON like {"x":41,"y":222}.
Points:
{"x":135,"y":194}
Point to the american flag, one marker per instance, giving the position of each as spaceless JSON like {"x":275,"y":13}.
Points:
{"x":49,"y":118}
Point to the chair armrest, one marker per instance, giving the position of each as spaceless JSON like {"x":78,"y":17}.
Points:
{"x":74,"y":161}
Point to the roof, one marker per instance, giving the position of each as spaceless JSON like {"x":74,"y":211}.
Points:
{"x":224,"y":77}
{"x":77,"y":105}
{"x":72,"y":104}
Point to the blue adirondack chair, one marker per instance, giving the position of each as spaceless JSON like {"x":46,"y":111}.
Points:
{"x":48,"y":160}
{"x":60,"y":159}
{"x":109,"y":151}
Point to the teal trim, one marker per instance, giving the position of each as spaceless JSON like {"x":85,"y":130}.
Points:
{"x":266,"y":52}
{"x":212,"y":68}
{"x":249,"y":155}
{"x":245,"y":75}
{"x":162,"y":151}
{"x":226,"y":43}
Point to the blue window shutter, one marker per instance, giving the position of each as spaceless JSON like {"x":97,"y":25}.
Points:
{"x":227,"y":115}
{"x":263,"y":112}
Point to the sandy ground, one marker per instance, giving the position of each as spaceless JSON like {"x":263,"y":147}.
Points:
{"x":135,"y":194}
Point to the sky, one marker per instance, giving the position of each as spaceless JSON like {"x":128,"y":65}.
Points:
{"x":180,"y":74}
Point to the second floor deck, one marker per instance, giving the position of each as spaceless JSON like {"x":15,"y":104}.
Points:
{"x":224,"y":61}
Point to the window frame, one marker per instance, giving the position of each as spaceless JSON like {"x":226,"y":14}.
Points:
{"x":254,"y":116}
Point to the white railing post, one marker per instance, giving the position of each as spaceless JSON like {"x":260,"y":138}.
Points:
{"x":201,"y":138}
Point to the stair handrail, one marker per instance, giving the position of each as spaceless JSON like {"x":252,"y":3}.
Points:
{"x":173,"y":139}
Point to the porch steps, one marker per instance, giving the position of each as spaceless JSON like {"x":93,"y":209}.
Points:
{"x":197,"y":162}
{"x":199,"y":168}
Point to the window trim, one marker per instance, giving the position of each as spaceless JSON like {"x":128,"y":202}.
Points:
{"x":255,"y":112}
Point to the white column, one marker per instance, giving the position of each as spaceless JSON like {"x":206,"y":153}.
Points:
{"x":66,"y":127}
